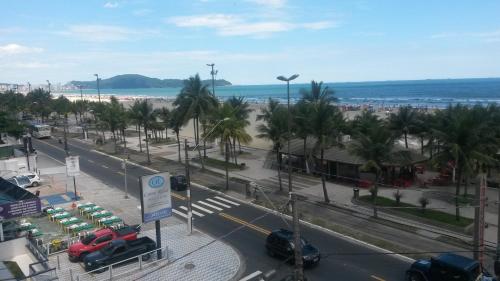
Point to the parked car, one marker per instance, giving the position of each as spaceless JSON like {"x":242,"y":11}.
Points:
{"x":178,"y":183}
{"x":34,"y":178}
{"x":280,"y":243}
{"x":99,"y":239}
{"x":21,"y":181}
{"x":119,"y":251}
{"x":447,"y":267}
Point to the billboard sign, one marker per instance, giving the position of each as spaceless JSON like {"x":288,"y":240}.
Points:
{"x":72,"y":166}
{"x":20,"y":208}
{"x":156,"y":201}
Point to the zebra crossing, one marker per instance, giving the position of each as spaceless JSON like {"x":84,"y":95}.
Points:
{"x":207,"y":206}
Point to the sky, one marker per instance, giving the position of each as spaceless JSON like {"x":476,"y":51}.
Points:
{"x":250,"y":41}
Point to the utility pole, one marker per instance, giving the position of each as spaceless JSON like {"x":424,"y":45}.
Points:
{"x":29,"y":87}
{"x":98,"y":89}
{"x":480,"y":193}
{"x":213,"y":73}
{"x":124,"y":166}
{"x":188,"y":190}
{"x":48,"y":82}
{"x":299,"y":270}
{"x":65,"y":137}
{"x":227,"y":169}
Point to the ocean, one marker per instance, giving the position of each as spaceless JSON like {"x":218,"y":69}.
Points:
{"x":417,"y":93}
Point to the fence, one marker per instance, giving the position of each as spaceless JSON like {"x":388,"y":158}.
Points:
{"x":113,"y":272}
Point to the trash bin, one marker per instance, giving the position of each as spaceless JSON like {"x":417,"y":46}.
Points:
{"x":356,"y":193}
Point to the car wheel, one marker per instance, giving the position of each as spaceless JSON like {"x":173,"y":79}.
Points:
{"x":414,"y":276}
{"x":146,"y":257}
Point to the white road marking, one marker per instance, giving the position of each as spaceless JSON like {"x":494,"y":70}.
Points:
{"x":251,"y":276}
{"x":211,"y":206}
{"x":105,"y":167}
{"x":218,"y":203}
{"x":91,"y":161}
{"x":201,"y":208}
{"x":179,"y":213}
{"x":227,"y":201}
{"x":194,"y":212}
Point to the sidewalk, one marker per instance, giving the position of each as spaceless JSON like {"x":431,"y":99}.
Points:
{"x":190,"y":257}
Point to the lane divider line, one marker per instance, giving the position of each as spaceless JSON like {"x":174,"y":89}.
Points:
{"x":252,"y":276}
{"x":120,"y":173}
{"x":218,"y":203}
{"x":247,"y":224}
{"x":227,"y":201}
{"x":208,"y":205}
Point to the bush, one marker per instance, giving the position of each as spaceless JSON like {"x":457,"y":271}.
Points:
{"x":397,"y":196}
{"x":423,"y":201}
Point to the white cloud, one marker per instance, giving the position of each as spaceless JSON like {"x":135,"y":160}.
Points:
{"x":30,"y":65}
{"x":13,"y":49}
{"x":269,"y":3}
{"x":104,"y":33}
{"x":111,"y":5}
{"x":232,"y":25}
{"x":210,"y":20}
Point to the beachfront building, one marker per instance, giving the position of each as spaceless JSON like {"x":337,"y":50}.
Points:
{"x":342,"y":165}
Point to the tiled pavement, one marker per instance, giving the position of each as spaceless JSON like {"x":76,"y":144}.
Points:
{"x":212,"y":260}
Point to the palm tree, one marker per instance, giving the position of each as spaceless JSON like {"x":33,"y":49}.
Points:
{"x":196,"y":101}
{"x":176,"y":122}
{"x":135,"y":116}
{"x":242,"y":112}
{"x":39,"y":103}
{"x":326,"y":125}
{"x":374,"y":146}
{"x":146,"y":117}
{"x":363,"y":122}
{"x":164,"y":114}
{"x":468,"y":137}
{"x":318,"y":93}
{"x":274,"y":128}
{"x":403,"y":122}
{"x":302,"y":127}
{"x":112,"y":117}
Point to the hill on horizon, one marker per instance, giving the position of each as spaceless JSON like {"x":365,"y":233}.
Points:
{"x":135,"y":81}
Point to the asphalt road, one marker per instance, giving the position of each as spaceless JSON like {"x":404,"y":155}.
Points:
{"x":343,"y":259}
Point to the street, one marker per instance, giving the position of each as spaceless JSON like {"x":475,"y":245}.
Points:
{"x":220,"y":216}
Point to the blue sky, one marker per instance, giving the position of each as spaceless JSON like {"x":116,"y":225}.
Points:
{"x":250,"y":41}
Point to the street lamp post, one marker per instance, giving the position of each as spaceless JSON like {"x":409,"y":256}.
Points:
{"x":213,"y":73}
{"x":299,"y":272}
{"x":98,"y":89}
{"x":287,"y":80}
{"x":29,"y":87}
{"x":48,"y":82}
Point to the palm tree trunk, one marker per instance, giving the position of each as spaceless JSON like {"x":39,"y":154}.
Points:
{"x":204,"y":140}
{"x":306,"y":166}
{"x":279,"y":166}
{"x":457,"y":193}
{"x":406,"y":139}
{"x":147,"y":144}
{"x":178,"y":146}
{"x":124,"y":141}
{"x":114,"y":139}
{"x":234,"y":152}
{"x":323,"y":181}
{"x":239,"y":146}
{"x":140,"y":143}
{"x":227,"y":164}
{"x":466,"y":186}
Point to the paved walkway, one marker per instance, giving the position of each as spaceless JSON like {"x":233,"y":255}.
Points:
{"x":190,"y":257}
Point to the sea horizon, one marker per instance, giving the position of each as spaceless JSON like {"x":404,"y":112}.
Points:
{"x":432,"y":93}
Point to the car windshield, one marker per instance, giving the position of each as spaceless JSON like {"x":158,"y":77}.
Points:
{"x":108,"y":250}
{"x":302,"y":240}
{"x":87,"y":239}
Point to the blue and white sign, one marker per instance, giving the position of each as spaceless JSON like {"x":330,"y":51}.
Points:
{"x":156,"y":201}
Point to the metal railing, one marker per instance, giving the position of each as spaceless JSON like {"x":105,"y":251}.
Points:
{"x":149,"y":261}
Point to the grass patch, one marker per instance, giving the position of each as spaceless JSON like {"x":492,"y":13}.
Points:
{"x":433,"y":215}
{"x":162,"y":141}
{"x":219,"y":164}
{"x":466,"y":199}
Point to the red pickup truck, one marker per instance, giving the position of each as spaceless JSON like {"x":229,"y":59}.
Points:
{"x":98,"y":239}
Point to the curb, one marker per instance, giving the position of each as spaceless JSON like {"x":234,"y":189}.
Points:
{"x":317,"y":227}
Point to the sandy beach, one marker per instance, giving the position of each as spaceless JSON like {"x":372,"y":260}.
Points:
{"x":350,"y":112}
